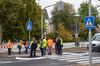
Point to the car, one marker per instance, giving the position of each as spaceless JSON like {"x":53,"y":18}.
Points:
{"x":95,"y":42}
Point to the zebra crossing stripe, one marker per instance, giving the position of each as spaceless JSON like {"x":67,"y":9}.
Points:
{"x":30,"y":58}
{"x":2,"y":62}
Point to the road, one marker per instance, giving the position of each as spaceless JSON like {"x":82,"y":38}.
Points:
{"x":68,"y":58}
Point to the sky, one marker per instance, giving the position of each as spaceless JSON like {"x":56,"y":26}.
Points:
{"x":76,"y":4}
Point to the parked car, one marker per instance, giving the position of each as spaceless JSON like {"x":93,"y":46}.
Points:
{"x":95,"y":42}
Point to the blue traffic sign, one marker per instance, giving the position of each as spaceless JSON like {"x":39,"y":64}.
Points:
{"x":28,"y":46}
{"x":29,"y":26}
{"x":89,"y":22}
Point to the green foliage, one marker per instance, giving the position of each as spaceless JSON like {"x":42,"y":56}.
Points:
{"x":51,"y":35}
{"x":65,"y":16}
{"x":15,"y":14}
{"x":84,"y":10}
{"x":63,"y":33}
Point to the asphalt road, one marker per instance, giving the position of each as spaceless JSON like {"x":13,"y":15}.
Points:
{"x":68,"y":58}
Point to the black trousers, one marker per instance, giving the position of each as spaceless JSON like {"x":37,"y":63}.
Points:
{"x":41,"y":51}
{"x":9,"y":51}
{"x":31,"y":53}
{"x":25,"y":49}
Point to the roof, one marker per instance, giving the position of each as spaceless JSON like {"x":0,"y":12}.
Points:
{"x":46,"y":14}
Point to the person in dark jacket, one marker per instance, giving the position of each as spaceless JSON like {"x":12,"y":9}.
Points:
{"x":58,"y":44}
{"x":33,"y":46}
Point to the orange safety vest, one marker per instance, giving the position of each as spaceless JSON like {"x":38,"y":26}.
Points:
{"x":20,"y":44}
{"x":26,"y":44}
{"x":9,"y":45}
{"x":50,"y":42}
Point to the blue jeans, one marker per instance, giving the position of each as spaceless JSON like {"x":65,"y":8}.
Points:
{"x":20,"y":49}
{"x":44,"y":51}
{"x":59,"y":50}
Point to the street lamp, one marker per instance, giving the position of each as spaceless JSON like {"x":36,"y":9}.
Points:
{"x":76,"y":30}
{"x":59,"y":8}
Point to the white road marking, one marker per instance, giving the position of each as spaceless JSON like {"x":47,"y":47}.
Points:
{"x":2,"y":62}
{"x":81,"y":58}
{"x":38,"y":58}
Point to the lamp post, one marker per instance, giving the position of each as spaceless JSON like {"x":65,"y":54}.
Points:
{"x":76,"y":30}
{"x":59,"y":8}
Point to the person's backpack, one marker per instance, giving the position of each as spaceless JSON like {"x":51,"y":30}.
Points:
{"x":34,"y":44}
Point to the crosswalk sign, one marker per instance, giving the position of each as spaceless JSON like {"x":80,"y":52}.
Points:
{"x":29,"y":26}
{"x":89,"y":22}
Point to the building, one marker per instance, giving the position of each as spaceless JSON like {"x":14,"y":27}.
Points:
{"x":49,"y":23}
{"x":46,"y":21}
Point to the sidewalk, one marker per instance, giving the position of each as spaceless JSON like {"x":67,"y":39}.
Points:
{"x":38,"y":51}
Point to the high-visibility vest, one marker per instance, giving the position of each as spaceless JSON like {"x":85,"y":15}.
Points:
{"x":44,"y":42}
{"x":33,"y":41}
{"x":41,"y":44}
{"x":26,"y":44}
{"x":61,"y":42}
{"x":20,"y":44}
{"x":9,"y":45}
{"x":50,"y":42}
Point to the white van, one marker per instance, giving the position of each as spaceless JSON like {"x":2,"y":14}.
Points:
{"x":95,"y":42}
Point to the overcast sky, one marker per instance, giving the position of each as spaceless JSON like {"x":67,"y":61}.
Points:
{"x":76,"y":4}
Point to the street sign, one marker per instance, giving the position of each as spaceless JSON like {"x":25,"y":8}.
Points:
{"x":89,"y":22}
{"x":29,"y":26}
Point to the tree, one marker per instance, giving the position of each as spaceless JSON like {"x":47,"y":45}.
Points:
{"x":65,"y":16}
{"x":83,"y":32}
{"x":13,"y":17}
{"x":83,"y":11}
{"x":63,"y":33}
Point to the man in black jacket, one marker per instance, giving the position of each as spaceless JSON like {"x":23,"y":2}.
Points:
{"x":33,"y":46}
{"x":58,"y":44}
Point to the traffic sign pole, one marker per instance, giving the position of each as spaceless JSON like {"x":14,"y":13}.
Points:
{"x":29,"y":31}
{"x":90,"y":47}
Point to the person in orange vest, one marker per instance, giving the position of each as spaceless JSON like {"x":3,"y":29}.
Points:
{"x":9,"y":47}
{"x":26,"y":44}
{"x":20,"y":46}
{"x":49,"y":43}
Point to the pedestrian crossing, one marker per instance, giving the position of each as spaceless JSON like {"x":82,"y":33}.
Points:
{"x":79,"y":58}
{"x":69,"y":57}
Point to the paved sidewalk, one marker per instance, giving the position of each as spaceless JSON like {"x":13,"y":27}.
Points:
{"x":38,"y":51}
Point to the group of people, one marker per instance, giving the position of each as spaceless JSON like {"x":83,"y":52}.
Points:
{"x":9,"y":44}
{"x":44,"y":44}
